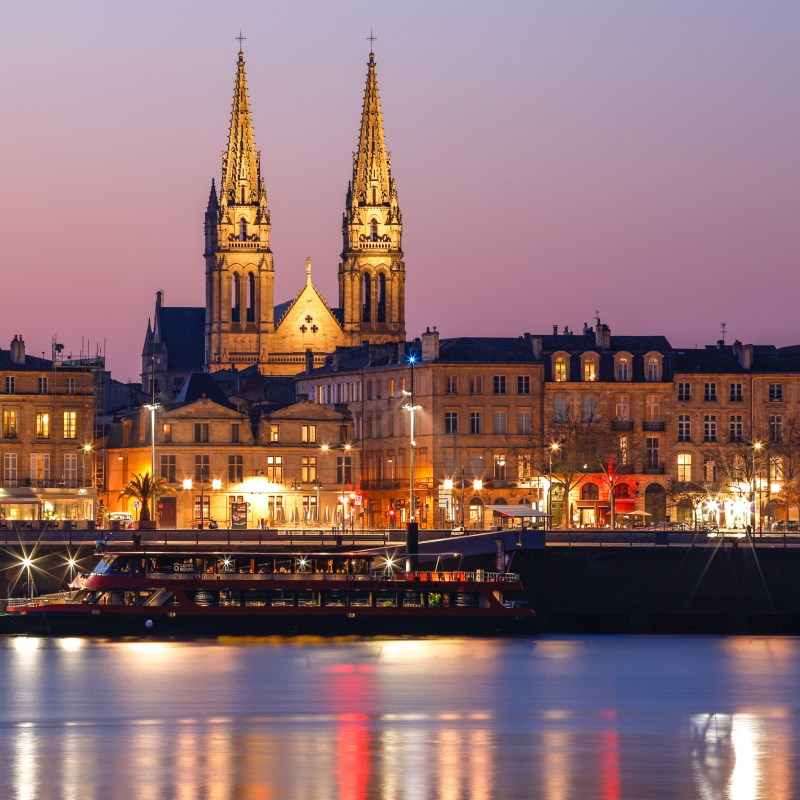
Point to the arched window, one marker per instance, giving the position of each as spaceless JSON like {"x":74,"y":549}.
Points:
{"x":366,"y":298}
{"x":653,"y":368}
{"x":559,"y":368}
{"x":623,"y":369}
{"x":381,"y":298}
{"x":243,"y":229}
{"x":236,"y":298}
{"x":590,"y":491}
{"x":622,"y":490}
{"x":251,"y":297}
{"x":373,"y":230}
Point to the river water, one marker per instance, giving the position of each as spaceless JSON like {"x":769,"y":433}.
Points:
{"x":561,"y":718}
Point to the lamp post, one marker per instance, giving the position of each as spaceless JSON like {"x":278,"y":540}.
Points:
{"x":343,"y":448}
{"x":756,"y":449}
{"x":152,"y":408}
{"x":412,"y":408}
{"x":317,"y":486}
{"x":553,"y":447}
{"x":87,"y":448}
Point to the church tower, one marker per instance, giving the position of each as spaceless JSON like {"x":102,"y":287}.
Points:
{"x":372,"y":273}
{"x":239,"y":269}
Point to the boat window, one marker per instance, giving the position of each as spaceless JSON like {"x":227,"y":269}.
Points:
{"x":104,"y":565}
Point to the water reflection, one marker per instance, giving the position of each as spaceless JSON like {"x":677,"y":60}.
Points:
{"x":561,"y":719}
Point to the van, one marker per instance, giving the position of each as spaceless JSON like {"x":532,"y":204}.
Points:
{"x":120,"y":519}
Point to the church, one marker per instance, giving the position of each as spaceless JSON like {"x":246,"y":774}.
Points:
{"x":241,"y":327}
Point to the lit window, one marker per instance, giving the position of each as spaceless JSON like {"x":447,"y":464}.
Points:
{"x":653,"y":371}
{"x":559,"y":369}
{"x":308,"y":433}
{"x":622,"y":409}
{"x":623,"y":369}
{"x":274,"y":433}
{"x":275,"y":469}
{"x":9,"y":424}
{"x":684,"y":467}
{"x":42,"y":425}
{"x":589,"y":369}
{"x":70,"y":424}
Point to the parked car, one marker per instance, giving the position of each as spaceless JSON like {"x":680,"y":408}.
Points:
{"x":783,"y":525}
{"x":677,"y":526}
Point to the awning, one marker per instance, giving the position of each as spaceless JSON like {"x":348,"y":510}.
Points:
{"x":517,"y":511}
{"x":18,"y":496}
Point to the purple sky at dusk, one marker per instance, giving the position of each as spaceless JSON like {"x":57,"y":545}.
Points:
{"x":551,"y":159}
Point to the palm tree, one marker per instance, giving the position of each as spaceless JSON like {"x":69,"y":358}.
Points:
{"x":143,"y":488}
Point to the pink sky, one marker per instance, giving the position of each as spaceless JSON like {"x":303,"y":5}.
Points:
{"x":552,"y":159}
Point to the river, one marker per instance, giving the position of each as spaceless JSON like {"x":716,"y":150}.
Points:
{"x":560,"y":718}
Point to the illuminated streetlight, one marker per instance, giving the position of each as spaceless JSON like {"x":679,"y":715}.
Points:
{"x":756,"y":449}
{"x":411,"y":407}
{"x":553,"y":447}
{"x":152,"y":409}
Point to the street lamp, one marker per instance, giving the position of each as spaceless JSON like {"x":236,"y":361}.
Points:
{"x":756,"y":449}
{"x":553,"y":447}
{"x":151,"y":407}
{"x":411,"y":407}
{"x":86,"y":448}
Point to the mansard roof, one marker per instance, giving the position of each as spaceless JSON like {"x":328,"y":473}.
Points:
{"x":581,"y":343}
{"x":202,"y":385}
{"x":486,"y":350}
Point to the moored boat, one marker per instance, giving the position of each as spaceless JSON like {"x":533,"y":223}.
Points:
{"x":259,"y":593}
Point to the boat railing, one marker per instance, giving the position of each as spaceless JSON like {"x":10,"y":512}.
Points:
{"x":435,"y":576}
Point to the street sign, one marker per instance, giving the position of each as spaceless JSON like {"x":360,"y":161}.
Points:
{"x":137,"y":504}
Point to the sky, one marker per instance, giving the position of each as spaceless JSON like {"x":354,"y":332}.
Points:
{"x":553,"y":160}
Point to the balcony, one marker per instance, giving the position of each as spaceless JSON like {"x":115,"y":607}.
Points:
{"x":621,"y":424}
{"x":654,"y":469}
{"x":653,"y":425}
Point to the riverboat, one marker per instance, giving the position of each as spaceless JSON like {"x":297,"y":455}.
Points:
{"x":258,"y":593}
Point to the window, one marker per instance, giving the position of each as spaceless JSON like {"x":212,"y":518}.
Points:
{"x":684,"y":392}
{"x":500,"y":422}
{"x":40,"y":469}
{"x":736,"y":393}
{"x":42,"y":425}
{"x":710,"y":392}
{"x":275,"y":469}
{"x":10,"y":469}
{"x":10,"y":384}
{"x":559,"y":409}
{"x":451,"y":422}
{"x":202,"y":468}
{"x":624,"y":449}
{"x":684,"y":467}
{"x":653,"y":369}
{"x":475,"y":422}
{"x":167,"y":432}
{"x":651,"y":453}
{"x":234,"y":432}
{"x":500,"y":468}
{"x":710,"y":428}
{"x":309,"y":469}
{"x":9,"y":424}
{"x":623,"y":369}
{"x":523,"y":384}
{"x":622,"y":407}
{"x":684,"y":428}
{"x":737,"y":428}
{"x":43,"y":384}
{"x":652,"y":408}
{"x":168,"y":468}
{"x":590,"y":491}
{"x":308,"y":433}
{"x":344,"y":470}
{"x":201,"y":431}
{"x":776,"y":428}
{"x":475,"y":384}
{"x":524,"y":422}
{"x":589,"y":368}
{"x":70,"y":424}
{"x":71,"y":470}
{"x":559,"y":369}
{"x":70,"y":384}
{"x":274,"y":433}
{"x":451,"y":384}
{"x":710,"y":470}
{"x":499,"y":384}
{"x":235,"y":469}
{"x":776,"y":393}
{"x":590,"y":409}
{"x":524,"y":468}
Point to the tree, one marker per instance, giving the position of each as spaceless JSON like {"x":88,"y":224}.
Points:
{"x":143,"y":488}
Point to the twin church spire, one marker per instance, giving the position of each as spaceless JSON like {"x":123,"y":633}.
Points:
{"x":241,"y":326}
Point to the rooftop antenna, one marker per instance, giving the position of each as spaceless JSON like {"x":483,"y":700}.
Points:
{"x":722,"y":328}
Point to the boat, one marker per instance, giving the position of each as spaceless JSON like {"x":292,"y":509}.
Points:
{"x":202,"y":593}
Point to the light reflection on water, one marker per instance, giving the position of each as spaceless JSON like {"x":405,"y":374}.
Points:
{"x":572,"y":718}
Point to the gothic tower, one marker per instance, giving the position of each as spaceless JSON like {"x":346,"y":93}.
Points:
{"x":239,"y":270}
{"x":372,"y":273}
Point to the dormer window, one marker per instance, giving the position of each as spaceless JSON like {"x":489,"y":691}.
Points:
{"x":560,"y":368}
{"x":590,"y":367}
{"x":652,"y":367}
{"x":622,"y":367}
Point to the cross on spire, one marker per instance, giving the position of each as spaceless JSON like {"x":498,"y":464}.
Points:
{"x":371,"y":38}
{"x":241,"y":39}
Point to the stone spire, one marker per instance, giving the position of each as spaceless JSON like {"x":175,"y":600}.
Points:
{"x":372,"y":272}
{"x":241,"y":165}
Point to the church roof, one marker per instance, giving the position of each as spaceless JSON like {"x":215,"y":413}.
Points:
{"x":200,"y":385}
{"x":182,"y":331}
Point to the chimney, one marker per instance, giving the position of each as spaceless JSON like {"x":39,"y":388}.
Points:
{"x":746,"y":356}
{"x":309,"y":360}
{"x":602,"y":336}
{"x":555,"y":330}
{"x":430,"y":344}
{"x":17,"y":350}
{"x":720,"y":344}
